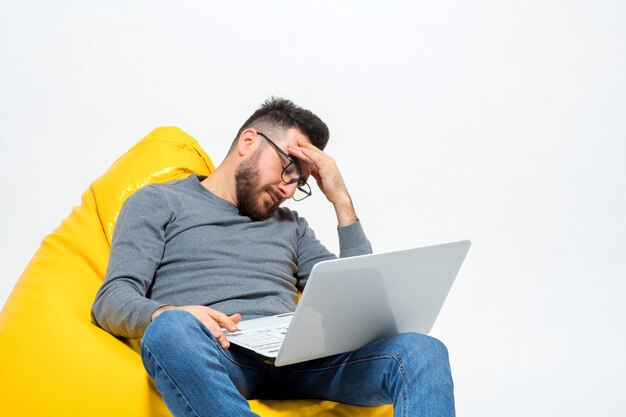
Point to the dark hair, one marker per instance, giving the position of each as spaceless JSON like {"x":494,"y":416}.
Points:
{"x":284,"y":114}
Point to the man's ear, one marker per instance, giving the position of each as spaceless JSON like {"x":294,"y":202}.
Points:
{"x":248,"y":142}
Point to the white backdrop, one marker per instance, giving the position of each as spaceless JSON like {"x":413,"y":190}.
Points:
{"x":499,"y":121}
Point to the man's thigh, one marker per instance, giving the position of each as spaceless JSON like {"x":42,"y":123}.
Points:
{"x":180,"y":340}
{"x":372,"y":375}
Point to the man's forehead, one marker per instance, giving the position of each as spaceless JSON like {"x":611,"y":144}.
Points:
{"x":293,"y":134}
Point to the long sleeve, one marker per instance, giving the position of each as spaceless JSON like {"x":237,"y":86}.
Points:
{"x":352,"y":242}
{"x":121,"y":306}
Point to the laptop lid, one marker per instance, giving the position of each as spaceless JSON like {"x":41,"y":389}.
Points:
{"x":350,"y":302}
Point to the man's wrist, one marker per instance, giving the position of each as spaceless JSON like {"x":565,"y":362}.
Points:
{"x":160,"y":310}
{"x":346,"y":215}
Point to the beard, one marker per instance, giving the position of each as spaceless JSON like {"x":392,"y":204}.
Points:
{"x":249,"y":191}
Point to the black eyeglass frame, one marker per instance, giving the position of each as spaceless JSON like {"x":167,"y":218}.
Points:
{"x":303,"y":186}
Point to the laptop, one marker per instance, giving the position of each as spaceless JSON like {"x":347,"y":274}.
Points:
{"x":350,"y":302}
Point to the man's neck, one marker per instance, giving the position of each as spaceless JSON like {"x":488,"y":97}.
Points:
{"x":221,"y":184}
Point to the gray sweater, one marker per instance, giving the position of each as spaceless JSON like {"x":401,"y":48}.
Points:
{"x":179,"y":244}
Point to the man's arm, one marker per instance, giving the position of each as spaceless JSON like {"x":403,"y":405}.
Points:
{"x":121,"y":306}
{"x":352,"y":242}
{"x":352,"y":239}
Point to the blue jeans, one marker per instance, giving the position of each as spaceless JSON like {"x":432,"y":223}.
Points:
{"x":197,"y":377}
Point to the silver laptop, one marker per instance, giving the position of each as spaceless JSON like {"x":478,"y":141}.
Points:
{"x":350,"y":302}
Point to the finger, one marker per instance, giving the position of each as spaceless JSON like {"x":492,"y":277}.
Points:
{"x":306,"y":151}
{"x":297,"y":152}
{"x":320,"y":165}
{"x":321,"y":160}
{"x":223,"y":320}
{"x":303,"y":143}
{"x":235,"y":318}
{"x":217,"y":332}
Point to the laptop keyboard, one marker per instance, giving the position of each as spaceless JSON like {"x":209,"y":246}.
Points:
{"x":268,"y":338}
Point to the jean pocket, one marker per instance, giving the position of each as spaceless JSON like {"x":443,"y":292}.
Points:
{"x":244,"y":357}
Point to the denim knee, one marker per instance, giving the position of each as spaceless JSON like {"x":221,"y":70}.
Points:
{"x":176,"y":332}
{"x":167,"y":327}
{"x":419,"y":350}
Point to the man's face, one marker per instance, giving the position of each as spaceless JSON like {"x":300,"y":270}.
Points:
{"x":259,"y":186}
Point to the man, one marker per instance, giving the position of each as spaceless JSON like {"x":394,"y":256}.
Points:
{"x":192,"y":257}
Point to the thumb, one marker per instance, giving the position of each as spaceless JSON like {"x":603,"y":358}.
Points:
{"x":315,"y":174}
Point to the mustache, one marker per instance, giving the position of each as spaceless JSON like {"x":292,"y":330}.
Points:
{"x":276,"y":194}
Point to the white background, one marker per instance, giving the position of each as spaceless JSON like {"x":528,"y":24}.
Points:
{"x":499,"y":121}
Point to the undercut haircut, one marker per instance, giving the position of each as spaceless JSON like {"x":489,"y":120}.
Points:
{"x":282,"y":114}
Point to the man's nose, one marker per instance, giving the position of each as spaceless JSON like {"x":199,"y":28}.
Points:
{"x":287,"y":190}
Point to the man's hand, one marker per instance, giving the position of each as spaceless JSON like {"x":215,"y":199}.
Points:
{"x":212,"y":319}
{"x":328,"y":177}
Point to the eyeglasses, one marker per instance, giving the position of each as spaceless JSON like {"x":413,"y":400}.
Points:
{"x":291,"y":173}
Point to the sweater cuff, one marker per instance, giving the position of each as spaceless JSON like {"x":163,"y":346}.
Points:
{"x":145,"y":315}
{"x":351,"y":236}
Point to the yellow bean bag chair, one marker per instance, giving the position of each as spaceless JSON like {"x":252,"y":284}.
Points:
{"x":53,"y":360}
